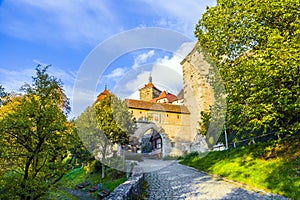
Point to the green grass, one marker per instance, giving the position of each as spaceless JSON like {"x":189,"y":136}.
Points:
{"x":58,"y":194}
{"x":89,"y":174}
{"x":76,"y":176}
{"x":272,"y":166}
{"x":171,"y":157}
{"x":145,"y":190}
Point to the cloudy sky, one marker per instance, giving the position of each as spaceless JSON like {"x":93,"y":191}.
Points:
{"x":66,"y":33}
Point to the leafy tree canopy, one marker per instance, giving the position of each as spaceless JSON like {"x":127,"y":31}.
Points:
{"x":35,"y":138}
{"x":114,"y":119}
{"x":255,"y":45}
{"x":103,"y":125}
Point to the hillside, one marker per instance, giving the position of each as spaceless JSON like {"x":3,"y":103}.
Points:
{"x":272,"y":166}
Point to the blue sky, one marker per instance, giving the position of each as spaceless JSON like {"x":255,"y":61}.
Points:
{"x":63,"y":33}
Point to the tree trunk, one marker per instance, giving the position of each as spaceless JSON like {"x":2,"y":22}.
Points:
{"x":103,"y":158}
{"x":103,"y":172}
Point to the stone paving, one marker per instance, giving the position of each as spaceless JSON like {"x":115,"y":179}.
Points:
{"x":176,"y":181}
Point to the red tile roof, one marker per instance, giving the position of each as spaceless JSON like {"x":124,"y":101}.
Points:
{"x":102,"y":95}
{"x":170,"y":97}
{"x":164,"y":107}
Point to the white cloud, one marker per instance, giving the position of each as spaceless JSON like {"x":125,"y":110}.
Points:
{"x":166,"y":73}
{"x":135,"y":84}
{"x":13,"y":80}
{"x":39,"y":62}
{"x":179,"y":15}
{"x":142,"y":58}
{"x":77,"y":22}
{"x":116,"y":73}
{"x":89,"y":22}
{"x":82,"y":98}
{"x":135,"y":95}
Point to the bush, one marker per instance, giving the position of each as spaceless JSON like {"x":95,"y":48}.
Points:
{"x":191,"y":155}
{"x":169,"y":157}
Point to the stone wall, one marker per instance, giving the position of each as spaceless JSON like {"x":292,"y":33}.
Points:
{"x":131,"y":189}
{"x":198,"y":92}
{"x":148,"y":93}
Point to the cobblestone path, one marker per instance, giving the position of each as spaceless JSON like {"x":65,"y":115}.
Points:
{"x":176,"y":181}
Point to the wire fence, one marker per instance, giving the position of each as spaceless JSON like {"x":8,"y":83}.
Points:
{"x":251,"y":140}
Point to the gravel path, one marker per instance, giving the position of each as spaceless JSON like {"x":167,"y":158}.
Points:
{"x":176,"y":181}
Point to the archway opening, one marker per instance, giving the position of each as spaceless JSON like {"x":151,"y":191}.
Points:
{"x":151,"y":144}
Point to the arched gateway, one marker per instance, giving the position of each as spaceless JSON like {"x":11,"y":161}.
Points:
{"x":150,"y":139}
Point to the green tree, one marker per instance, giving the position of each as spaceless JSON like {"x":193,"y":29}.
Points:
{"x":2,"y":94}
{"x":204,"y":122}
{"x":80,"y":154}
{"x":255,"y":45}
{"x":114,"y":119}
{"x":35,"y":138}
{"x":105,"y":124}
{"x":92,"y":136}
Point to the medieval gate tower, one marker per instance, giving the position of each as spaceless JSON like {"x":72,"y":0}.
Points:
{"x":198,"y":92}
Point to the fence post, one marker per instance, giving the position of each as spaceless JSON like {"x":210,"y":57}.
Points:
{"x":226,"y":141}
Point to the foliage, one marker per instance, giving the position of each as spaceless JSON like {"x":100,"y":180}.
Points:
{"x":171,"y":157}
{"x":114,"y":119}
{"x":59,"y":194}
{"x":255,"y":45}
{"x":204,"y":122}
{"x":35,"y":137}
{"x":80,"y":154}
{"x":191,"y":155}
{"x":145,"y":189}
{"x":93,"y":136}
{"x":272,"y":166}
{"x":103,"y":125}
{"x":79,"y":175}
{"x":86,"y":174}
{"x":2,"y":94}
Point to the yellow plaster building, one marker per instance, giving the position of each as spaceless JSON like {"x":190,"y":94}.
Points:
{"x":171,"y":118}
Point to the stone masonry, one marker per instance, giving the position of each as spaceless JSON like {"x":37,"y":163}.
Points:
{"x":198,"y":92}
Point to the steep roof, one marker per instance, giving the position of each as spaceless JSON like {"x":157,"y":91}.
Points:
{"x":164,"y":107}
{"x":102,"y":95}
{"x":170,"y":97}
{"x":150,"y":85}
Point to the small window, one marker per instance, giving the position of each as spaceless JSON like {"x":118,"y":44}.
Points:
{"x":172,"y":144}
{"x":178,"y":116}
{"x":167,"y":115}
{"x":140,"y":112}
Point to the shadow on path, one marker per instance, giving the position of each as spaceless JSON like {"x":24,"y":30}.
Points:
{"x":176,"y":181}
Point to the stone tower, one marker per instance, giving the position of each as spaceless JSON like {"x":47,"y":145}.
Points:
{"x":149,"y":91}
{"x":198,"y":91}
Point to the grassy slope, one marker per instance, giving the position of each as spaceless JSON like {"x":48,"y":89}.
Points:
{"x":273,"y":166}
{"x":79,"y":175}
